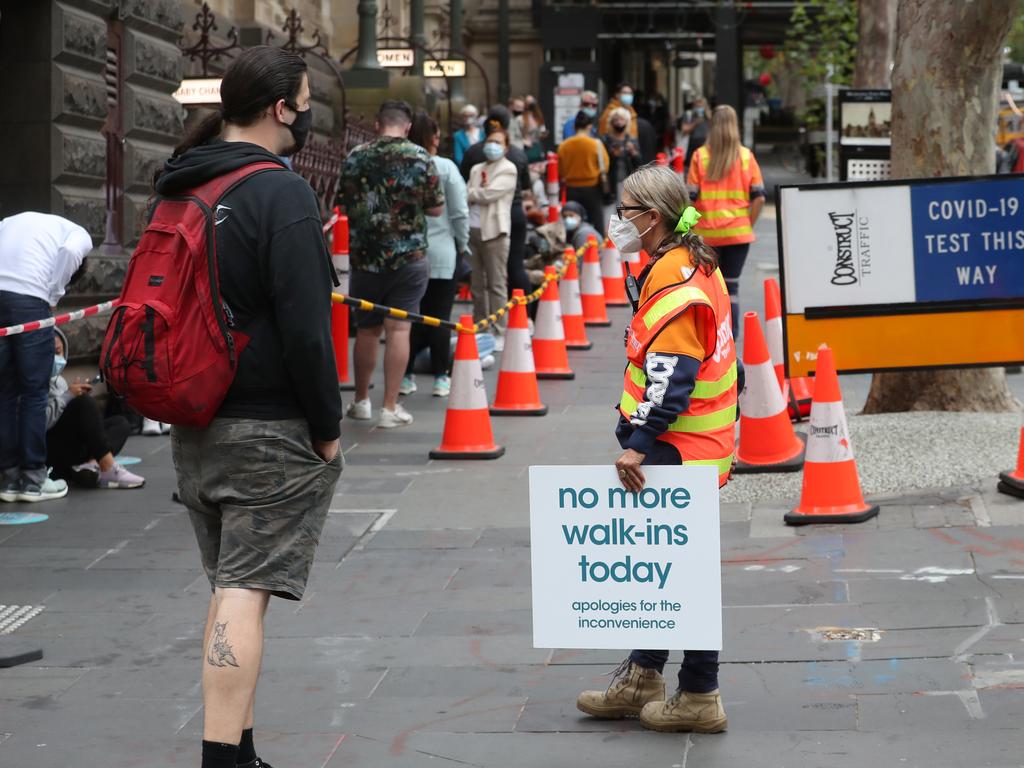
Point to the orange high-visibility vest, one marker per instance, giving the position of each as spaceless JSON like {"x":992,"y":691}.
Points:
{"x":724,"y":204}
{"x":705,"y":432}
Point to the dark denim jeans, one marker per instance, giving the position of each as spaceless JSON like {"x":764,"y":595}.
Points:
{"x":26,"y":362}
{"x":699,"y":672}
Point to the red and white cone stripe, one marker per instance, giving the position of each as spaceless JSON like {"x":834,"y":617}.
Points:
{"x":761,"y":398}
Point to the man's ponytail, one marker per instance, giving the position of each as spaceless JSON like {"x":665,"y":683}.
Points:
{"x":204,"y":132}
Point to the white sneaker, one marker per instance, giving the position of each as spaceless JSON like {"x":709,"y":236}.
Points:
{"x":150,"y":427}
{"x":487,"y":361}
{"x":396,"y":418}
{"x":165,"y":428}
{"x":50,"y":489}
{"x":442,"y":386}
{"x":408,"y":385}
{"x":499,"y":343}
{"x":360,"y":410}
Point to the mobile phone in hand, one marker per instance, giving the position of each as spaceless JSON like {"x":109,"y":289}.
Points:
{"x":98,"y":378}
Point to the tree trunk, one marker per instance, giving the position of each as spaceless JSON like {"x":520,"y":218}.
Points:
{"x":876,"y":43}
{"x":947,"y":71}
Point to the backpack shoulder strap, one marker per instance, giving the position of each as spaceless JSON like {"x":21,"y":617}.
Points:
{"x":215,"y":189}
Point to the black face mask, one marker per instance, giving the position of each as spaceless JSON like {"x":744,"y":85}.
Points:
{"x":299,"y":129}
{"x":517,"y":112}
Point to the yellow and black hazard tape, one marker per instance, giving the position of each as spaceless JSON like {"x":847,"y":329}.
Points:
{"x":436,"y":322}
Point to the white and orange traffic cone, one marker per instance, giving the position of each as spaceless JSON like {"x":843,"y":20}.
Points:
{"x":552,"y":186}
{"x":767,"y":440}
{"x":339,"y":242}
{"x":467,"y":423}
{"x":591,"y":288}
{"x":549,"y":355}
{"x":339,"y":338}
{"x":1012,"y":480}
{"x":797,"y":392}
{"x":572,"y":307}
{"x":831,"y":490}
{"x":612,"y":277}
{"x":518,"y":394}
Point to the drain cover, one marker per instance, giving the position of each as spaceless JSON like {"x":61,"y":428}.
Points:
{"x":13,"y":617}
{"x":847,"y":634}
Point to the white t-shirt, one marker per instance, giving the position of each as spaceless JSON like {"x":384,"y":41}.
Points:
{"x":39,"y":252}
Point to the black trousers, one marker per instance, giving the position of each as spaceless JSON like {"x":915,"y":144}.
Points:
{"x":436,"y":302}
{"x":590,"y":199}
{"x":517,"y":277}
{"x":731,"y":259}
{"x":81,"y":433}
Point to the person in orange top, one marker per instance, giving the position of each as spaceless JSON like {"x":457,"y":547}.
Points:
{"x":581,"y":161}
{"x":728,"y":190}
{"x":678,"y":407}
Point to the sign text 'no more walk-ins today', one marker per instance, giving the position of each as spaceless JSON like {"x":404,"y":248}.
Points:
{"x":919,"y":273}
{"x":616,"y":569}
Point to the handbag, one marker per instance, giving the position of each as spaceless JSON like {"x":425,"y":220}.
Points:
{"x":607,"y":193}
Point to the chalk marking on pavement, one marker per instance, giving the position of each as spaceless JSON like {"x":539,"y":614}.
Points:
{"x":979,"y":509}
{"x":869,"y":570}
{"x":112,"y":551}
{"x":377,"y":684}
{"x":350,"y":449}
{"x":188,"y":719}
{"x":969,"y":698}
{"x":383,"y":519}
{"x":152,"y":524}
{"x":331,"y":753}
{"x":960,"y":654}
{"x":1007,"y":576}
{"x":686,"y":751}
{"x":163,"y":445}
{"x":419,"y":472}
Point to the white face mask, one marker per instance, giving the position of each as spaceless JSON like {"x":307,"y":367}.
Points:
{"x":625,"y":235}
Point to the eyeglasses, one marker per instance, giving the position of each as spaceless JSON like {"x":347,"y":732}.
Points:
{"x":620,"y":208}
{"x":588,"y":104}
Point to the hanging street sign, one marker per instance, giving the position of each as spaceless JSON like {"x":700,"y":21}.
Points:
{"x":399,"y":58}
{"x":198,"y":91}
{"x":445,"y":68}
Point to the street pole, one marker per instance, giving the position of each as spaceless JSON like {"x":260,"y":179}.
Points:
{"x":366,"y":57}
{"x":455,"y":49}
{"x":829,"y":70}
{"x":416,"y":33}
{"x":504,"y":85}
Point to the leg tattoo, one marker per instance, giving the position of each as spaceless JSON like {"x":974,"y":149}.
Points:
{"x":220,"y":653}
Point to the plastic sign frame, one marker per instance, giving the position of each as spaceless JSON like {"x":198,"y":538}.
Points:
{"x":907,"y":274}
{"x":445,"y":68}
{"x":396,"y":58}
{"x":198,"y":91}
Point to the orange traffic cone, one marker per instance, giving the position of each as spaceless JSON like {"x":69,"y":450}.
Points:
{"x":518,"y":394}
{"x":467,"y":424}
{"x":1012,"y":481}
{"x":612,"y":276}
{"x":549,"y":355}
{"x":464,"y":296}
{"x":572,"y":307}
{"x":831,"y":490}
{"x":798,"y":392}
{"x":554,"y":212}
{"x":339,"y":337}
{"x":591,"y":289}
{"x":767,"y":440}
{"x":339,"y":242}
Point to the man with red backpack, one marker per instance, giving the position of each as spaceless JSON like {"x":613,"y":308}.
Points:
{"x":256,"y":446}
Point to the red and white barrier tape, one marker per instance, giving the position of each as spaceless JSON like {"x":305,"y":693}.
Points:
{"x":330,"y":223}
{"x":68,"y":317}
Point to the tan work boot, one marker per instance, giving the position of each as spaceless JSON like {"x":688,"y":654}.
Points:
{"x":631,"y":688}
{"x":696,"y":712}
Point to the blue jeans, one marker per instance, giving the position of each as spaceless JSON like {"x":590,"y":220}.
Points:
{"x":699,"y":672}
{"x":26,"y":362}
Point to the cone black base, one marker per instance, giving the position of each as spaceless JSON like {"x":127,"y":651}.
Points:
{"x":597,"y":323}
{"x":569,"y":375}
{"x":792,"y":465}
{"x":15,"y":651}
{"x":519,"y":411}
{"x":497,"y":452}
{"x":795,"y":518}
{"x":616,"y":303}
{"x":588,"y":345}
{"x":1010,"y":485}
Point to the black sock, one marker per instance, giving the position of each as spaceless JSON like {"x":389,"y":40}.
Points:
{"x":218,"y":755}
{"x":246,"y":750}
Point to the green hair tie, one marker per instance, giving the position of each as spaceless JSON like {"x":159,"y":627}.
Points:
{"x":687,"y":219}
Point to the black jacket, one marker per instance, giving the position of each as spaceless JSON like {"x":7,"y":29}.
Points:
{"x":276,"y":278}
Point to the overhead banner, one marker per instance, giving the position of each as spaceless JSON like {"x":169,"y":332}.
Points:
{"x":903,"y":275}
{"x":615,"y":569}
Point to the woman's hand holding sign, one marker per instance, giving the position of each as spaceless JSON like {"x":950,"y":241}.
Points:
{"x":630,"y":474}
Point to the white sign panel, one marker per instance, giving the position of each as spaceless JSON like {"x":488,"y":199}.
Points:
{"x":444,"y":68}
{"x":846,"y":247}
{"x":202,"y":90}
{"x":395,"y":57}
{"x":614,"y":569}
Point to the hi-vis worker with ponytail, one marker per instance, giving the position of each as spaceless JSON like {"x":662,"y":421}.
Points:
{"x":678,"y":406}
{"x":728,"y":191}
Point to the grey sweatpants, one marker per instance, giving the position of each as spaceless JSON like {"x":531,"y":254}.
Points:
{"x":489,"y":281}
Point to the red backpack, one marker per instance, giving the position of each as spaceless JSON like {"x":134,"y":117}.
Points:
{"x":171,"y":350}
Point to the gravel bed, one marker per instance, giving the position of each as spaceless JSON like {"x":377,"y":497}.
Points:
{"x":898,"y":452}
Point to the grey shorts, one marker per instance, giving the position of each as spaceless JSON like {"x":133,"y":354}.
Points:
{"x":401,"y":288}
{"x":258,"y":496}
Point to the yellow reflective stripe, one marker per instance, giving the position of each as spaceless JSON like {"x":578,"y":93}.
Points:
{"x":723,"y":194}
{"x":636,"y":375}
{"x":725,"y":213}
{"x":723,"y":465}
{"x":677,"y":298}
{"x":706,"y":423}
{"x":705,"y":390}
{"x":745,"y":158}
{"x":727,"y":232}
{"x":628,"y":403}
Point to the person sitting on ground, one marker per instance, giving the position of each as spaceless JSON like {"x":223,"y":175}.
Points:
{"x":578,"y":229}
{"x":80,"y":443}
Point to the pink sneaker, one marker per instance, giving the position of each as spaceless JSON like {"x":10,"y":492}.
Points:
{"x":119,"y":477}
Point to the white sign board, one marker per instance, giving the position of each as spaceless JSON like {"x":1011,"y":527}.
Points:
{"x":201,"y":90}
{"x":395,"y":57}
{"x":614,"y":569}
{"x":444,"y":68}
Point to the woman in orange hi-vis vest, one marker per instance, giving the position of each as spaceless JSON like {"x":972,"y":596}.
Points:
{"x":727,"y":188}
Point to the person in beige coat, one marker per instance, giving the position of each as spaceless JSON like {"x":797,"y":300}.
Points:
{"x":492,"y":185}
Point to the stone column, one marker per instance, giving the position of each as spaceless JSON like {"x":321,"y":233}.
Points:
{"x":367,"y":71}
{"x":504,"y":78}
{"x":455,"y":51}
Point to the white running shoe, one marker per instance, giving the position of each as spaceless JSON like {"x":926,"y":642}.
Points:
{"x":119,"y":477}
{"x":408,"y":385}
{"x":50,"y":489}
{"x":442,"y":386}
{"x":396,"y":418}
{"x":150,"y":427}
{"x":487,"y":361}
{"x":360,"y":410}
{"x":165,"y":428}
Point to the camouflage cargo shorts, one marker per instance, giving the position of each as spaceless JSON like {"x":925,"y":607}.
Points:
{"x":258,"y":497}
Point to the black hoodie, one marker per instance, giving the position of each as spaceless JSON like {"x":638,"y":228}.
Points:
{"x":276,"y":278}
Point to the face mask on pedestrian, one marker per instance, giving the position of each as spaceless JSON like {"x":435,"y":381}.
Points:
{"x":59,"y":361}
{"x":494,"y":150}
{"x":619,"y":126}
{"x":299,"y":128}
{"x":589,"y":111}
{"x":699,"y":111}
{"x":625,"y":235}
{"x":571,"y":223}
{"x":627,"y":99}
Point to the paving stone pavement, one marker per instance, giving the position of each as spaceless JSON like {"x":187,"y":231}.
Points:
{"x":413,"y":646}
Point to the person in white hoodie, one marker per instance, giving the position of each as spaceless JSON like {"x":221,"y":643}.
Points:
{"x":492,"y":185}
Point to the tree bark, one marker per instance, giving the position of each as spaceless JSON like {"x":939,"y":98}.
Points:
{"x":947,"y":71}
{"x":876,"y":43}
